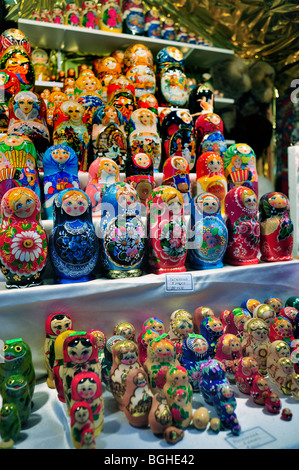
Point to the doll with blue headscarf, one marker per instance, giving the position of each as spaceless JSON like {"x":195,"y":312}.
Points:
{"x":195,"y":353}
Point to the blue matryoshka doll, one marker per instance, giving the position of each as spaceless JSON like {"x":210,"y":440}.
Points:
{"x":195,"y":353}
{"x":213,"y":377}
{"x":133,"y":17}
{"x":122,"y":232}
{"x":73,"y":243}
{"x":213,"y":142}
{"x":211,"y":329}
{"x":208,"y":235}
{"x":60,"y":164}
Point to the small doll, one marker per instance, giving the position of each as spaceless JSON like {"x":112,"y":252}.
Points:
{"x":211,"y":329}
{"x":89,"y":15}
{"x":176,"y":174}
{"x":195,"y":353}
{"x":210,"y":177}
{"x":265,"y":312}
{"x":229,"y":351}
{"x":56,"y":323}
{"x":40,"y":61}
{"x":111,"y":16}
{"x":208,"y":235}
{"x":145,"y":337}
{"x":245,"y":374}
{"x":290,"y":313}
{"x":178,"y":392}
{"x":16,"y":59}
{"x":152,"y":23}
{"x":121,"y":95}
{"x":58,"y":364}
{"x":137,"y":399}
{"x":212,"y":377}
{"x":278,"y":349}
{"x":200,"y":313}
{"x":235,"y":320}
{"x":159,"y":417}
{"x":274,"y":303}
{"x":139,"y":174}
{"x":255,"y":342}
{"x":155,"y":324}
{"x":133,"y":17}
{"x":101,"y":340}
{"x":205,"y":124}
{"x":168,"y":29}
{"x":13,"y":37}
{"x":107,"y":360}
{"x":181,"y":326}
{"x":225,"y":403}
{"x":240,"y":167}
{"x":281,"y":328}
{"x":23,"y":240}
{"x":10,"y":425}
{"x":172,"y":86}
{"x":213,"y":142}
{"x":250,"y":305}
{"x":243,"y":227}
{"x":81,"y":423}
{"x":15,"y":389}
{"x":276,"y":242}
{"x":125,"y":329}
{"x":273,"y":403}
{"x":260,"y":390}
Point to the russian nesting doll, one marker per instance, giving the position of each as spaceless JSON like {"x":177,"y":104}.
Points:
{"x":56,"y":323}
{"x":143,"y":340}
{"x":73,"y":244}
{"x":102,"y":172}
{"x":205,"y":124}
{"x":111,"y":16}
{"x":101,"y":341}
{"x":89,"y":14}
{"x":195,"y":353}
{"x":172,"y":86}
{"x":255,"y":342}
{"x":276,"y":241}
{"x":278,"y":349}
{"x":199,"y":314}
{"x":240,"y":167}
{"x":60,"y":165}
{"x":265,"y":312}
{"x":243,"y":227}
{"x":16,"y":59}
{"x":213,"y":142}
{"x":245,"y":374}
{"x":108,"y":135}
{"x":275,"y":303}
{"x":14,"y":37}
{"x":208,"y":235}
{"x":180,"y":327}
{"x":139,"y":174}
{"x":228,"y":351}
{"x":234,"y":321}
{"x":23,"y":240}
{"x":148,"y":101}
{"x":210,"y":177}
{"x":9,"y":86}
{"x":201,"y":100}
{"x":176,"y":174}
{"x":58,"y":364}
{"x":159,"y":417}
{"x":212,"y":377}
{"x":81,"y":425}
{"x":281,"y":328}
{"x":122,"y":232}
{"x":250,"y":304}
{"x":138,"y":398}
{"x":168,"y":29}
{"x":290,"y":313}
{"x":133,"y":17}
{"x":40,"y":61}
{"x":125,"y":329}
{"x":167,"y":231}
{"x":152,"y":23}
{"x":72,"y":13}
{"x":179,"y":393}
{"x":260,"y":390}
{"x":211,"y":329}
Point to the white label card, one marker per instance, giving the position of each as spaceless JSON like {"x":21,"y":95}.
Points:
{"x":251,"y":439}
{"x":178,"y":282}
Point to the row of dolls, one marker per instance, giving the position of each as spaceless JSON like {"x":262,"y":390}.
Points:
{"x":130,"y":17}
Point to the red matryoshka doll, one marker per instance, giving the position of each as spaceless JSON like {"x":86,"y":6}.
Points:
{"x":81,"y":425}
{"x":58,"y":364}
{"x":148,"y":101}
{"x":273,"y":403}
{"x":69,"y":129}
{"x":153,"y":323}
{"x":121,"y":94}
{"x":229,"y":352}
{"x":16,"y":59}
{"x":101,"y":173}
{"x":72,"y":13}
{"x":55,"y":98}
{"x":108,"y":68}
{"x":133,"y":17}
{"x":200,"y":313}
{"x":176,"y":174}
{"x":245,"y":374}
{"x":9,"y":86}
{"x":23,"y":240}
{"x":276,"y":242}
{"x":138,"y":398}
{"x":143,"y":135}
{"x":89,"y":14}
{"x":40,"y":62}
{"x":235,"y":320}
{"x":56,"y":323}
{"x":57,"y":12}
{"x":205,"y":124}
{"x":240,"y":167}
{"x":143,"y":340}
{"x":167,"y":231}
{"x":290,"y":313}
{"x":260,"y":390}
{"x":108,"y":135}
{"x":14,"y":37}
{"x":281,"y":328}
{"x":275,"y":303}
{"x":210,"y":177}
{"x":152,"y":23}
{"x":243,"y":227}
{"x":139,"y":174}
{"x":255,"y":342}
{"x":265,"y":312}
{"x":111,"y":16}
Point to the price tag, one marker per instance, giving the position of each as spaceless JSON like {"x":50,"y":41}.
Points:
{"x":251,"y":439}
{"x":178,"y":282}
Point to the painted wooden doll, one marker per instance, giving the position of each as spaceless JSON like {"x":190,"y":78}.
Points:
{"x":102,"y":172}
{"x":234,"y":321}
{"x":101,"y":340}
{"x":195,"y":352}
{"x":56,"y":323}
{"x":213,"y":142}
{"x":139,"y":174}
{"x":144,"y":79}
{"x":10,"y":425}
{"x":255,"y":342}
{"x":180,"y":327}
{"x":250,"y":304}
{"x":179,"y":393}
{"x":240,"y":167}
{"x":122,"y":232}
{"x":16,"y":59}
{"x":245,"y":373}
{"x":111,"y":16}
{"x":152,"y":23}
{"x":278,"y":349}
{"x":172,"y":87}
{"x":14,"y":37}
{"x":125,"y":329}
{"x":176,"y":174}
{"x":58,"y":364}
{"x":87,"y":386}
{"x":210,"y":177}
{"x":275,"y":303}
{"x":143,"y":340}
{"x":200,"y":313}
{"x":133,"y":17}
{"x":225,"y":404}
{"x":281,"y":328}
{"x":265,"y":312}
{"x":228,"y":351}
{"x":40,"y":61}
{"x":283,"y":376}
{"x":106,"y":69}
{"x":143,"y":135}
{"x":273,"y":403}
{"x":159,"y":417}
{"x":81,"y":423}
{"x":125,"y":358}
{"x":201,"y":100}
{"x":211,"y":329}
{"x":23,"y":240}
{"x":243,"y":227}
{"x":9,"y":86}
{"x":167,"y":231}
{"x":72,"y":13}
{"x":73,"y":244}
{"x":212,"y":377}
{"x":276,"y":241}
{"x":137,"y":54}
{"x":60,"y":165}
{"x":89,"y":14}
{"x":108,"y":135}
{"x":290,"y":313}
{"x":107,"y":361}
{"x":168,"y":29}
{"x":138,"y":398}
{"x":205,"y":124}
{"x":260,"y":390}
{"x":208,"y":235}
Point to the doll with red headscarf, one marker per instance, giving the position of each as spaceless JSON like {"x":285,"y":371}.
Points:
{"x":82,"y":425}
{"x":210,"y":176}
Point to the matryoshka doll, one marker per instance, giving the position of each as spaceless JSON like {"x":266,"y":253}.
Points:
{"x":211,"y":329}
{"x":276,"y":241}
{"x":179,"y":394}
{"x":213,"y":142}
{"x":200,"y":313}
{"x":208,"y":234}
{"x":143,"y":135}
{"x":125,"y":329}
{"x":9,"y":86}
{"x":281,"y":328}
{"x":201,"y":100}
{"x":122,"y":232}
{"x":60,"y":165}
{"x":284,"y":374}
{"x":107,"y":360}
{"x":265,"y":312}
{"x":14,"y":37}
{"x":181,"y":33}
{"x":102,"y":172}
{"x":40,"y":61}
{"x":89,"y":14}
{"x":260,"y":390}
{"x":167,"y":231}
{"x":250,"y":304}
{"x":139,"y":68}
{"x":143,"y":340}
{"x":275,"y":303}
{"x":152,"y":23}
{"x":101,"y":341}
{"x":206,"y":123}
{"x":137,"y":399}
{"x":180,"y":327}
{"x":243,"y":227}
{"x":195,"y":352}
{"x":121,"y":94}
{"x":107,"y":69}
{"x":149,"y":101}
{"x":278,"y":349}
{"x":255,"y":342}
{"x":23,"y":240}
{"x":246,"y":371}
{"x":89,"y":97}
{"x":159,"y":417}
{"x":290,"y":313}
{"x":212,"y":377}
{"x":139,"y":174}
{"x":176,"y":174}
{"x":168,"y":29}
{"x":111,"y":16}
{"x":108,"y":135}
{"x":16,"y":59}
{"x":81,"y":425}
{"x":58,"y":364}
{"x":210,"y":177}
{"x":235,"y":320}
{"x":57,"y":12}
{"x":228,"y":351}
{"x":133,"y":17}
{"x":73,"y":244}
{"x":72,"y":13}
{"x":240,"y":167}
{"x":172,"y":84}
{"x":56,"y":323}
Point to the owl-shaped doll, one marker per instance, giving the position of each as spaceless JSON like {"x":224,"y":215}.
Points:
{"x":243,"y":227}
{"x":73,"y":243}
{"x":60,"y":164}
{"x":122,"y":232}
{"x":208,"y":235}
{"x":210,"y":176}
{"x":240,"y":167}
{"x":276,"y":240}
{"x":23,"y":240}
{"x":167,"y":231}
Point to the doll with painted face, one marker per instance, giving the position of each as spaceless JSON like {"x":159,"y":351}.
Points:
{"x":122,"y":232}
{"x":180,"y":327}
{"x":60,"y":164}
{"x":240,"y":167}
{"x":199,"y":314}
{"x":102,"y":172}
{"x":278,"y":349}
{"x":125,"y":329}
{"x":276,"y":242}
{"x":111,"y":16}
{"x":139,"y":174}
{"x":211,"y":329}
{"x":234,"y":321}
{"x":59,"y":363}
{"x":9,"y":86}
{"x":152,"y":23}
{"x":210,"y":177}
{"x":167,"y":231}
{"x":255,"y":342}
{"x":205,"y":124}
{"x":82,"y":425}
{"x":23,"y":240}
{"x":176,"y":174}
{"x":245,"y":373}
{"x":208,"y":235}
{"x":89,"y":14}
{"x":133,"y":17}
{"x":74,"y":247}
{"x":195,"y":353}
{"x":138,"y":398}
{"x":260,"y":390}
{"x":16,"y":59}
{"x":275,"y":303}
{"x":212,"y":377}
{"x":282,"y":329}
{"x":121,"y":95}
{"x":172,"y":82}
{"x":228,"y":351}
{"x":265,"y":312}
{"x":143,"y":340}
{"x":179,"y":393}
{"x":243,"y":227}
{"x":201,"y":100}
{"x":40,"y":61}
{"x":14,"y":37}
{"x":290,"y":313}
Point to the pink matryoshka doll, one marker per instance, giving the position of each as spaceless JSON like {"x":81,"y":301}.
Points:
{"x":243,"y":227}
{"x":229,"y":352}
{"x":89,"y":14}
{"x":276,"y":241}
{"x":245,"y":374}
{"x":210,"y":176}
{"x":167,"y":231}
{"x":282,"y":329}
{"x":240,"y":167}
{"x":176,"y":174}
